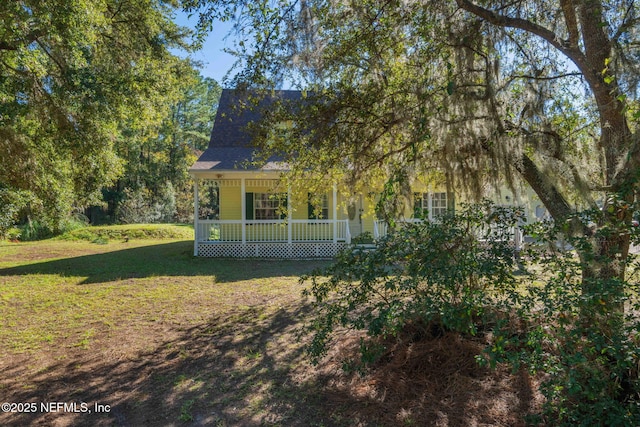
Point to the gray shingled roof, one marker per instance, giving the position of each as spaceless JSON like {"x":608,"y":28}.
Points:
{"x":230,"y":146}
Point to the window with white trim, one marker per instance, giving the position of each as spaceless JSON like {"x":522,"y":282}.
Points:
{"x":430,"y":205}
{"x":320,"y":211}
{"x":265,"y":206}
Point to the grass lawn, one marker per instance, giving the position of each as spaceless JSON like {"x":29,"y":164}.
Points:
{"x":160,"y":338}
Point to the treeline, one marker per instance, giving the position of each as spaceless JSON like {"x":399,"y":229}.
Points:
{"x":99,"y":119}
{"x":155,"y":185}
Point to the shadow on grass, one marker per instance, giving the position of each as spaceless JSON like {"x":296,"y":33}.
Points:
{"x":244,"y":368}
{"x":168,"y":259}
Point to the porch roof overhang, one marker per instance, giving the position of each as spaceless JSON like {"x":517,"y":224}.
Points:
{"x":235,"y":160}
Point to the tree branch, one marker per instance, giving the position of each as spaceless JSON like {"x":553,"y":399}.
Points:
{"x":627,"y":23}
{"x":26,"y":41}
{"x":499,"y":20}
{"x":559,"y":76}
{"x":549,"y":194}
{"x":569,"y":11}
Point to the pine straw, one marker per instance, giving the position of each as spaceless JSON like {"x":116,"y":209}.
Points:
{"x":431,"y":380}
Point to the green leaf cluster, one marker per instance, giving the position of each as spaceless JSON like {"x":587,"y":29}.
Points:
{"x":544,"y":310}
{"x":578,"y":328}
{"x":78,"y":79}
{"x":443,"y":275}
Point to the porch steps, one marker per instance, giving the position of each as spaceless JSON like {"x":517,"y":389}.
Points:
{"x":364,"y":247}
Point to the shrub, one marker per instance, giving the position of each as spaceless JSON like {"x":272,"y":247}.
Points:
{"x":35,"y":230}
{"x":443,"y":274}
{"x":39,"y":230}
{"x":141,"y":206}
{"x":11,"y":202}
{"x":581,"y":334}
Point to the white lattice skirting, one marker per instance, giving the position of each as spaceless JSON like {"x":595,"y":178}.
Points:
{"x":270,"y":250}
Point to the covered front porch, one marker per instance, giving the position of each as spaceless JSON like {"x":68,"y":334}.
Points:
{"x":248,"y":217}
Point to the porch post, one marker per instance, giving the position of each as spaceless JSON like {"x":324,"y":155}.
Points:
{"x":196,"y":211}
{"x":289,"y":216}
{"x":243,"y":210}
{"x":335,"y":214}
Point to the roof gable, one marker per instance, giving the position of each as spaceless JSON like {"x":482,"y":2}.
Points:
{"x":230,"y":146}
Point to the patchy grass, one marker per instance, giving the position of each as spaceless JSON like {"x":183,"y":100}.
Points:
{"x":104,"y":234}
{"x":163,"y":338}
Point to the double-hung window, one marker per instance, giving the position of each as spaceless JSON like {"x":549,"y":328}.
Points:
{"x":321,"y":209}
{"x":265,"y":206}
{"x":429,"y":205}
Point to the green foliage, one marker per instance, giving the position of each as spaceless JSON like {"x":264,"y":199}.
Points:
{"x":37,"y":230}
{"x":580,"y":330}
{"x":11,"y":202}
{"x":363,"y":239}
{"x":78,"y":79}
{"x":142,"y":206}
{"x":104,"y":234}
{"x":575,"y":328}
{"x":209,"y":200}
{"x":444,"y":275}
{"x":155,"y":185}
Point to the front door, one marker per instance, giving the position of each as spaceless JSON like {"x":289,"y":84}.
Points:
{"x":354,"y":212}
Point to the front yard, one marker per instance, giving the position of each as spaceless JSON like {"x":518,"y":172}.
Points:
{"x":138,"y":332}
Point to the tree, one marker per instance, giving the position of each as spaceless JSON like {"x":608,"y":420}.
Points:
{"x":75,"y":74}
{"x":534,"y":91}
{"x":539,"y":90}
{"x":153,"y":159}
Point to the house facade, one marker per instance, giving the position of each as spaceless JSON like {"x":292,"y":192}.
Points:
{"x":242,"y":210}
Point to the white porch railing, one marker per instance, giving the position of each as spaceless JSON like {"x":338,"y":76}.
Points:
{"x":381,"y":229}
{"x":273,"y":231}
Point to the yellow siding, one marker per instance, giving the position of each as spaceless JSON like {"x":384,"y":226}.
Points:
{"x":299,"y":209}
{"x":230,"y":203}
{"x":368,"y":216}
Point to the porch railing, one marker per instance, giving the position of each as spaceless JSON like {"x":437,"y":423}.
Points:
{"x":273,"y":231}
{"x":381,"y":229}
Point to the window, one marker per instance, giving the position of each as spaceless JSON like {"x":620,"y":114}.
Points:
{"x":318,"y":211}
{"x":429,"y":205}
{"x":265,"y":206}
{"x":438,"y":204}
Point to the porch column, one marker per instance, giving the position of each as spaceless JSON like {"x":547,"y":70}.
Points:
{"x":243,"y":210}
{"x":335,"y":214}
{"x":289,"y":217}
{"x":196,"y":212}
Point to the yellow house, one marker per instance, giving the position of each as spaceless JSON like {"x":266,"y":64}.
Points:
{"x":242,"y":211}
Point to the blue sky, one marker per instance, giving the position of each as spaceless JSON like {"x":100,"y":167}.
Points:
{"x":215,"y":61}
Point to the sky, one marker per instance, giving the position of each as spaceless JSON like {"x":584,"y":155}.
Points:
{"x":215,"y":61}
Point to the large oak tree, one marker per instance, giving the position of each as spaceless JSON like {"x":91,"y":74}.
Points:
{"x":537,"y":91}
{"x":73,"y":76}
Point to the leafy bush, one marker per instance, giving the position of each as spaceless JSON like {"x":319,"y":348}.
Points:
{"x":37,"y":230}
{"x":444,"y":275}
{"x":579,"y":331}
{"x":136,"y":207}
{"x":10,"y":204}
{"x":142,"y":206}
